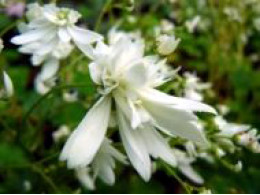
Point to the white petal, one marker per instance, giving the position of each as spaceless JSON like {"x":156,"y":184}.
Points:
{"x":176,"y":102}
{"x":64,"y":35}
{"x":31,"y":36}
{"x":47,"y":47}
{"x":136,"y":75}
{"x":95,"y":72}
{"x":173,"y":121}
{"x":83,"y":36}
{"x":135,"y":147}
{"x":85,"y":141}
{"x":86,"y":49}
{"x":157,"y":145}
{"x":49,"y":69}
{"x":8,"y":85}
{"x":85,"y":179}
{"x":189,"y":172}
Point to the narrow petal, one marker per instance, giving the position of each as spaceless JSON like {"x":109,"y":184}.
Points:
{"x":8,"y":85}
{"x":135,"y":147}
{"x":85,"y":179}
{"x":189,"y":172}
{"x":49,"y":69}
{"x":64,"y":35}
{"x":174,"y":121}
{"x":157,"y":145}
{"x":176,"y":102}
{"x":31,"y":36}
{"x":84,"y":36}
{"x":85,"y":141}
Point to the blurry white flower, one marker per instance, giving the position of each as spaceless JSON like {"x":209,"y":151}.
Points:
{"x":1,"y":45}
{"x":192,"y":24}
{"x":27,"y":185}
{"x":238,"y":167}
{"x":44,"y":85}
{"x":257,"y":23}
{"x":194,"y":87}
{"x":233,"y":13}
{"x":223,"y":109}
{"x":220,"y":152}
{"x":103,"y":166}
{"x":7,"y":86}
{"x":167,"y":44}
{"x":249,"y":139}
{"x":184,"y":165}
{"x":229,"y":129}
{"x":62,"y":132}
{"x":70,"y":96}
{"x":51,"y":34}
{"x":165,"y":27}
{"x":123,"y":74}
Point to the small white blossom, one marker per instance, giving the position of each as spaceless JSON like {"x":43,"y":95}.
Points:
{"x":70,"y":96}
{"x":167,"y":44}
{"x":62,"y":132}
{"x":103,"y":166}
{"x":249,"y":139}
{"x":233,"y":13}
{"x":184,"y":165}
{"x":1,"y":45}
{"x":8,"y":90}
{"x":194,"y":87}
{"x":192,"y":24}
{"x":125,"y":75}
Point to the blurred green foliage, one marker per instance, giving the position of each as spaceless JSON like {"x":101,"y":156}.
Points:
{"x":218,"y":52}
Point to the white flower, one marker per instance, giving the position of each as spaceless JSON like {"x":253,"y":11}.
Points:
{"x":123,"y":74}
{"x":103,"y":166}
{"x":167,"y":44}
{"x":70,"y":96}
{"x":229,"y":129}
{"x":8,"y":90}
{"x":192,"y":24}
{"x":249,"y":139}
{"x":184,"y":166}
{"x":233,"y":13}
{"x":60,"y":133}
{"x":44,"y":85}
{"x":194,"y":87}
{"x":1,"y":45}
{"x":51,"y":34}
{"x":257,"y":23}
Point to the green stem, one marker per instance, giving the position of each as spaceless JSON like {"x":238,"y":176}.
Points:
{"x":10,"y":27}
{"x":42,"y":98}
{"x":105,"y":8}
{"x":46,"y":178}
{"x":183,"y":184}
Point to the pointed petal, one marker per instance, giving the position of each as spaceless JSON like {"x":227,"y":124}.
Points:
{"x":85,"y":179}
{"x":85,"y":141}
{"x":8,"y":85}
{"x":173,"y":121}
{"x":176,"y":102}
{"x":64,"y":35}
{"x":49,"y":69}
{"x":84,"y":36}
{"x":189,"y":172}
{"x":135,"y":147}
{"x":157,"y":145}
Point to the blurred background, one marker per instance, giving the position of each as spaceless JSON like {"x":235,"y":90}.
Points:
{"x":223,"y":48}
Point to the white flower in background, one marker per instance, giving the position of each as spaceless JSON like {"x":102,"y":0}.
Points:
{"x":194,"y":87}
{"x":223,"y":109}
{"x":233,"y":14}
{"x":192,"y":24}
{"x":257,"y":23}
{"x":229,"y":129}
{"x":123,"y":74}
{"x":50,"y":35}
{"x":103,"y":166}
{"x":62,"y":132}
{"x":70,"y":96}
{"x":238,"y":167}
{"x":165,"y":27}
{"x":44,"y":85}
{"x":249,"y":139}
{"x":7,"y":86}
{"x":1,"y":45}
{"x":184,"y":166}
{"x":167,"y":44}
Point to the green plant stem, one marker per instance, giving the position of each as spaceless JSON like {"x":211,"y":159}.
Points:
{"x":183,"y":184}
{"x":42,"y":98}
{"x":105,"y":8}
{"x":10,"y":27}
